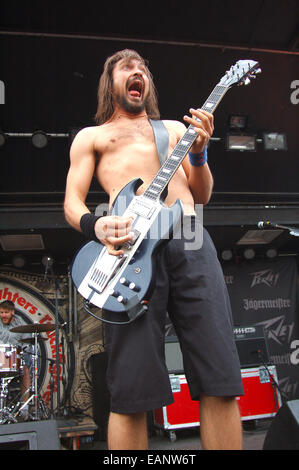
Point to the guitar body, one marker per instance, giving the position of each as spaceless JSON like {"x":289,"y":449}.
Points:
{"x":134,"y":280}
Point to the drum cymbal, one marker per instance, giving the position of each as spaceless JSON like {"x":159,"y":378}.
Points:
{"x":33,"y":328}
{"x":32,"y":340}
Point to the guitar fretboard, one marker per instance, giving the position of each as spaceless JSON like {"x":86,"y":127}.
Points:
{"x":174,"y":160}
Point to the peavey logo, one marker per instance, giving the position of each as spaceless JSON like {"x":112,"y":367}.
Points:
{"x":278,"y":330}
{"x":267,"y":277}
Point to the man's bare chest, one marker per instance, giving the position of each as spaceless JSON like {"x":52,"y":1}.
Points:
{"x":119,"y":137}
{"x":123,"y":136}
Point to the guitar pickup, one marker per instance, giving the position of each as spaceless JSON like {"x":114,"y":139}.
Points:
{"x":142,"y":208}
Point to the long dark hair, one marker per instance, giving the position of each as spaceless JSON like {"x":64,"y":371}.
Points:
{"x":105,"y":102}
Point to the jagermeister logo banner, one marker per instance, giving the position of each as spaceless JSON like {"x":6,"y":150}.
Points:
{"x":266,"y":293}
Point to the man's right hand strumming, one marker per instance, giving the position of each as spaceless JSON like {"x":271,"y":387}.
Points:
{"x":114,"y":231}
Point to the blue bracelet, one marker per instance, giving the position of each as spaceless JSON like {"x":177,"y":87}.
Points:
{"x":198,"y":159}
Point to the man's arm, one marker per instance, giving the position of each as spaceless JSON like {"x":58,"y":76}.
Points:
{"x":112,"y":231}
{"x":200,"y":178}
{"x":200,"y":181}
{"x":82,"y":165}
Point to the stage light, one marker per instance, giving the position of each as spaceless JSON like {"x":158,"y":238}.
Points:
{"x":241,"y":142}
{"x":271,"y":253}
{"x":274,"y":141}
{"x":18,"y":261}
{"x":236,"y":121}
{"x":22,"y":242}
{"x":47,"y":260}
{"x":39,"y":139}
{"x":249,"y":253}
{"x":3,"y":138}
{"x":226,"y":255}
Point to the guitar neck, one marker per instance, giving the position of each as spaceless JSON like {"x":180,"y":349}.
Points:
{"x":174,"y":160}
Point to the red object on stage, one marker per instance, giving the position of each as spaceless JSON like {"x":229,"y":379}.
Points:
{"x":261,"y":399}
{"x":183,"y":413}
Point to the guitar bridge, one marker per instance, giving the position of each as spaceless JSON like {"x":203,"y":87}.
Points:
{"x":105,"y":269}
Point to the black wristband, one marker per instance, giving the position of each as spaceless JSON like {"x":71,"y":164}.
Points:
{"x":87,"y":223}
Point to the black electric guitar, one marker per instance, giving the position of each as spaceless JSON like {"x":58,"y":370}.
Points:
{"x":120,"y":285}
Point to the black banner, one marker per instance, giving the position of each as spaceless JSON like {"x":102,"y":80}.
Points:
{"x":265,"y":293}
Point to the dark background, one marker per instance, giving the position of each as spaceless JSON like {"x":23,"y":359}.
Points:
{"x":52,"y":54}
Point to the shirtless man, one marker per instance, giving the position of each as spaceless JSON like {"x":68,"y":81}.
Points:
{"x":120,"y":149}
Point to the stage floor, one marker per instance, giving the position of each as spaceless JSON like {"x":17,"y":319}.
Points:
{"x":254,"y":433}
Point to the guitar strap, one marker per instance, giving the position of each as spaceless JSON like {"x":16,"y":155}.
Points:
{"x":161,"y":137}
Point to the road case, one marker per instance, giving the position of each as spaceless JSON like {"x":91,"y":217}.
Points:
{"x":261,"y":399}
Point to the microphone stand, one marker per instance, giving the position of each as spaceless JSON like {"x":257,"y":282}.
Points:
{"x":293,"y":231}
{"x":63,"y":365}
{"x":57,"y":362}
{"x":56,"y":342}
{"x":271,"y":378}
{"x":51,"y":361}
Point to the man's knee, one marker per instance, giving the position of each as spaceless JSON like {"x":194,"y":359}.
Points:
{"x":217,"y":403}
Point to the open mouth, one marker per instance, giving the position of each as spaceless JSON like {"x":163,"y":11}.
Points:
{"x":135,"y":88}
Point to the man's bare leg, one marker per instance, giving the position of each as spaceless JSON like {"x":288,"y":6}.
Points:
{"x":220,"y":423}
{"x":127,"y":431}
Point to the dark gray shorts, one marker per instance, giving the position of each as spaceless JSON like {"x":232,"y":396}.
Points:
{"x":191,"y":288}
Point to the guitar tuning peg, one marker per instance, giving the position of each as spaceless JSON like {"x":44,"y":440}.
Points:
{"x":246,"y":81}
{"x":258,"y":70}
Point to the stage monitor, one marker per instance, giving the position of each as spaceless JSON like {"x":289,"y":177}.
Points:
{"x":35,"y":435}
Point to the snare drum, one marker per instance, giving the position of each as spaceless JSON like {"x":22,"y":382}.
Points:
{"x":11,"y":360}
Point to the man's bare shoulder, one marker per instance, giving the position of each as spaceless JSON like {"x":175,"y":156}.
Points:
{"x":87,"y":136}
{"x":93,"y":132}
{"x":87,"y":133}
{"x":175,"y":126}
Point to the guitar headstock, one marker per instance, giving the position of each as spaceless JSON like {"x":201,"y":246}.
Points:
{"x":241,"y":73}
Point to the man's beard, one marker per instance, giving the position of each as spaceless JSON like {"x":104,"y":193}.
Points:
{"x":129,"y":106}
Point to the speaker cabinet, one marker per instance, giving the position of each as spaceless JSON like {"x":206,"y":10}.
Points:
{"x":35,"y":435}
{"x":283,"y":433}
{"x":251,"y":345}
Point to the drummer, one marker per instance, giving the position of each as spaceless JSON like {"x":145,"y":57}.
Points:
{"x":8,"y":321}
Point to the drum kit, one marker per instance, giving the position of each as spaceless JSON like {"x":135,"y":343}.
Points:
{"x":12,"y":367}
